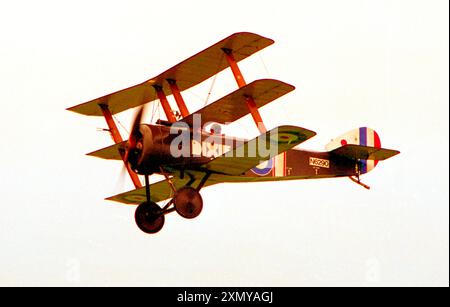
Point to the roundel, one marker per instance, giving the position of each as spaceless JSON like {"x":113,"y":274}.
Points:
{"x":264,"y":168}
{"x":284,"y":138}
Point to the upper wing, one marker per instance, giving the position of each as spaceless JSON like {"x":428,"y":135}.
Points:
{"x":188,"y":73}
{"x":232,"y":107}
{"x":249,"y":155}
{"x":365,"y":152}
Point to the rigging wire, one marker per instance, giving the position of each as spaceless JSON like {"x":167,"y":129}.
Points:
{"x":264,"y":65}
{"x":197,"y":96}
{"x":214,"y":80}
{"x":121,"y":125}
{"x":154,"y":108}
{"x":210,"y":90}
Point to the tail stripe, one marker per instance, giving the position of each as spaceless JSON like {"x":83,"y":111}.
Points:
{"x":363,"y":136}
{"x":377,"y":144}
{"x":370,"y":142}
{"x":363,"y":142}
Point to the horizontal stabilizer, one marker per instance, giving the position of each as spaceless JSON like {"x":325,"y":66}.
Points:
{"x":187,"y":74}
{"x":249,"y":155}
{"x":233,"y":106}
{"x":359,"y":152}
{"x":110,"y":153}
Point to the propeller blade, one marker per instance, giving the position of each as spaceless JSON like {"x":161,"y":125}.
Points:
{"x":137,"y":122}
{"x":135,"y":134}
{"x":120,"y":184}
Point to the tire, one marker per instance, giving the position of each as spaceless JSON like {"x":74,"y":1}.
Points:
{"x":148,"y":218}
{"x":188,"y":202}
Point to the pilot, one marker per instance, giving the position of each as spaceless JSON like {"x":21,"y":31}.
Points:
{"x":216,"y":129}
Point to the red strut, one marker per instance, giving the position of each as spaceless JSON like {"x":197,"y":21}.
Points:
{"x":178,"y":98}
{"x":165,"y":104}
{"x":115,"y":134}
{"x":251,"y":105}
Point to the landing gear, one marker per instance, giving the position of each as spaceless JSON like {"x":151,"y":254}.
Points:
{"x":149,"y":217}
{"x":358,"y":181}
{"x":188,"y":202}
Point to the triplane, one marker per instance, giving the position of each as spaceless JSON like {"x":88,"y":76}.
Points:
{"x":191,"y":158}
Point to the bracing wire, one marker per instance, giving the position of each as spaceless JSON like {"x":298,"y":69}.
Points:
{"x":264,"y":65}
{"x":214,"y":80}
{"x":210,"y":90}
{"x":154,"y":108}
{"x":120,"y":124}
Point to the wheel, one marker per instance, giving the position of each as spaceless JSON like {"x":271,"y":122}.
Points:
{"x":149,"y":218}
{"x":188,"y":202}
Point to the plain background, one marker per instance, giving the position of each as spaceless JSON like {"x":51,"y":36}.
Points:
{"x":381,"y":64}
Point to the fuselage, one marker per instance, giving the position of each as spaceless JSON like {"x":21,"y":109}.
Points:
{"x":172,"y":150}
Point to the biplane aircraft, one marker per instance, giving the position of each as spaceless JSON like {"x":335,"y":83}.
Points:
{"x":191,"y":158}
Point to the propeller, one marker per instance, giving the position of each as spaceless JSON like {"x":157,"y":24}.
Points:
{"x":135,"y":135}
{"x":132,"y":148}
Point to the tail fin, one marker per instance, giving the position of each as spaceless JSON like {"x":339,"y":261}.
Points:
{"x":362,"y":137}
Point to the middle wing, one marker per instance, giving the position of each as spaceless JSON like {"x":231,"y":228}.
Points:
{"x":232,"y":107}
{"x":252,"y":153}
{"x":112,"y":152}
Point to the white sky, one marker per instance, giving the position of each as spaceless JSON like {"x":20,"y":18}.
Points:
{"x":383,"y":64}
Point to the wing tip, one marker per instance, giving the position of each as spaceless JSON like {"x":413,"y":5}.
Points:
{"x":308,"y":133}
{"x":253,"y":34}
